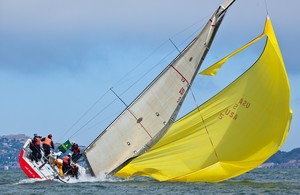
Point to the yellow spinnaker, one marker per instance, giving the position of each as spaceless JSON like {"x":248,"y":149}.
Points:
{"x":230,"y":134}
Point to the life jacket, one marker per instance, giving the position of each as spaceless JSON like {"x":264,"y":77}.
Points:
{"x":75,"y":149}
{"x":47,"y":141}
{"x":37,"y":141}
{"x":66,"y":160}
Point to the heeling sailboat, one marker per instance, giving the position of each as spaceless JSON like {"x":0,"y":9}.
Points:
{"x":231,"y":133}
{"x":152,"y":113}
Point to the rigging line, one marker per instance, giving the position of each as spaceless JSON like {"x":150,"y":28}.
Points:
{"x":194,"y":97}
{"x":175,"y":45}
{"x":100,"y":121}
{"x":190,"y":26}
{"x":266,"y":5}
{"x":203,"y":121}
{"x":139,"y":64}
{"x":97,"y":114}
{"x":84,"y":114}
{"x":147,"y":72}
{"x":191,"y":35}
{"x":119,"y":97}
{"x":129,"y":73}
{"x":176,"y":34}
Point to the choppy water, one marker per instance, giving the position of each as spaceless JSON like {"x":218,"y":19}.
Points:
{"x":258,"y":181}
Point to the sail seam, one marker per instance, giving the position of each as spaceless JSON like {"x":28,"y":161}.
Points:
{"x":180,"y":74}
{"x":140,"y":123}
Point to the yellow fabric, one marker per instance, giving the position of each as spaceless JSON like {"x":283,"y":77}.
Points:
{"x":59,"y":165}
{"x":213,"y":69}
{"x":230,"y":134}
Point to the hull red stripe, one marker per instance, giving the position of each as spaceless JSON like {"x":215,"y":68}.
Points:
{"x":28,"y":170}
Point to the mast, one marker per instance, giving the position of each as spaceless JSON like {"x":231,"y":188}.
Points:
{"x":152,"y":113}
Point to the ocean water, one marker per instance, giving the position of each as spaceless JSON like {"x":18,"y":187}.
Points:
{"x":258,"y":181}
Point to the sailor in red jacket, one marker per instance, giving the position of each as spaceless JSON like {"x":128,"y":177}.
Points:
{"x":76,"y":151}
{"x":69,"y":167}
{"x":66,"y":163}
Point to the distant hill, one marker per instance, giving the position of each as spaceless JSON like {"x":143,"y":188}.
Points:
{"x":284,"y":160}
{"x":10,"y":146}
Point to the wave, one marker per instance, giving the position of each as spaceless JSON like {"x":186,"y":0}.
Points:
{"x":30,"y":180}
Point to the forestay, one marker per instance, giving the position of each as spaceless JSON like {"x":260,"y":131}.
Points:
{"x":150,"y":115}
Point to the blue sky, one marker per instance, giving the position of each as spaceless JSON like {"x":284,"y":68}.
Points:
{"x":58,"y":57}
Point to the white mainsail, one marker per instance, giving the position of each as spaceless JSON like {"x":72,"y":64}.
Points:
{"x":151,"y":114}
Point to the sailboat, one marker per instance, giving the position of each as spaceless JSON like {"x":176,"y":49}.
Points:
{"x":233,"y":132}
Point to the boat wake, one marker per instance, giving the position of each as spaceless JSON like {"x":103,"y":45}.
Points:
{"x":30,"y":180}
{"x":101,"y":178}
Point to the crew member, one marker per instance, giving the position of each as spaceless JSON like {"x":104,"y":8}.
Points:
{"x":35,"y":147}
{"x":47,"y":144}
{"x":66,"y":163}
{"x":74,"y":170}
{"x":76,"y":151}
{"x":59,"y":163}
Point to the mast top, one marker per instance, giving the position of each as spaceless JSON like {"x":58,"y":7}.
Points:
{"x":224,"y":6}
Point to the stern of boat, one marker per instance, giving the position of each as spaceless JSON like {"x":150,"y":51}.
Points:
{"x":43,"y":169}
{"x":38,"y":170}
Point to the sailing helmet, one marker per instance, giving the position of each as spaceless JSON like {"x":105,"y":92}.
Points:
{"x":35,"y":135}
{"x":73,"y":142}
{"x":69,"y":154}
{"x":50,"y":135}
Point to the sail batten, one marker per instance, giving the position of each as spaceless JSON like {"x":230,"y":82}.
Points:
{"x":151,"y":114}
